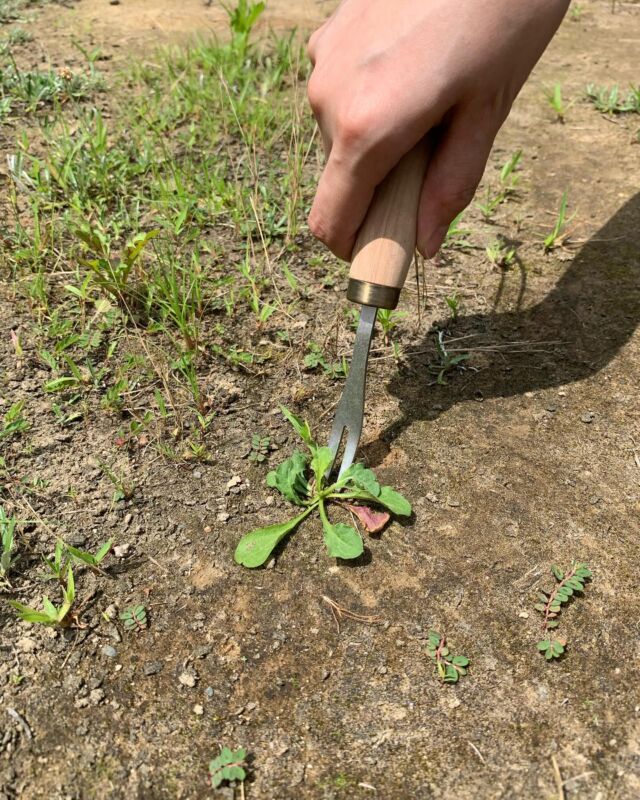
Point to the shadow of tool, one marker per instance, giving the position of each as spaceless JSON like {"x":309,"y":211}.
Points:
{"x":589,"y":315}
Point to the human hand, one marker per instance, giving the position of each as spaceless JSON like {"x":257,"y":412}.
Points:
{"x":387,"y":73}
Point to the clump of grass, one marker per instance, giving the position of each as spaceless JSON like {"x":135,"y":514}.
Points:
{"x":35,"y":89}
{"x":146,"y":206}
{"x":610,"y":100}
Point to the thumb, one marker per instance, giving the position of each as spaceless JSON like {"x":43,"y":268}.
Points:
{"x":454,"y":172}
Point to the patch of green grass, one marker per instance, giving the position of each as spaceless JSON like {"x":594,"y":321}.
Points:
{"x":611,"y":100}
{"x":156,"y":226}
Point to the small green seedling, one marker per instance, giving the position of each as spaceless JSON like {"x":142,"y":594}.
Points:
{"x":550,"y":605}
{"x":302,"y":479}
{"x":84,"y":557}
{"x":457,"y":237}
{"x":446,"y":361}
{"x":509,"y":177}
{"x":315,"y":358}
{"x":558,"y":234}
{"x":13,"y":422}
{"x":500,"y":254}
{"x":388,"y":320}
{"x":448,"y":667}
{"x":228,"y":766}
{"x":260,"y":446}
{"x":7,"y":534}
{"x":491,"y":203}
{"x":453,"y":301}
{"x":554,"y":98}
{"x":134,"y":618}
{"x":50,"y":615}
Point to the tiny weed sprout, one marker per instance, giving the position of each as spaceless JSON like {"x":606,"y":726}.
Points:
{"x":558,"y":234}
{"x":7,"y":534}
{"x":90,"y":560}
{"x":554,"y":98}
{"x":134,"y":618}
{"x":260,"y":446}
{"x":388,"y":322}
{"x":568,"y":584}
{"x":509,"y":177}
{"x":447,"y":362}
{"x":456,"y":237}
{"x":314,"y":359}
{"x":449,"y":667}
{"x":453,"y":301}
{"x":302,"y":480}
{"x":228,"y":766}
{"x":500,"y":254}
{"x":13,"y":422}
{"x":611,"y":101}
{"x":50,"y":614}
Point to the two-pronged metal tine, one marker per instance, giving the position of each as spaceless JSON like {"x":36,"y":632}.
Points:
{"x":350,"y":409}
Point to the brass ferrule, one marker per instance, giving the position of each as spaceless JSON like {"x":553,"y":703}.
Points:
{"x":372,"y":294}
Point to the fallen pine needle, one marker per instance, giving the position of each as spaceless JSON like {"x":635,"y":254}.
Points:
{"x":558,"y":778}
{"x":339,"y":612}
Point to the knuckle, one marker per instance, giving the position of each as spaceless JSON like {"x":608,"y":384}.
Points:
{"x":315,"y":93}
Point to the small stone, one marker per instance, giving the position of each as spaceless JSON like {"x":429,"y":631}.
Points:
{"x":111,"y":611}
{"x":202,"y":651}
{"x":251,"y":706}
{"x":453,"y":503}
{"x":209,"y":692}
{"x":121,"y":550}
{"x":198,"y":710}
{"x":588,"y":417}
{"x":187,"y":679}
{"x":524,"y":615}
{"x":207,"y":528}
{"x":27,"y":645}
{"x":223,"y":516}
{"x":325,"y":674}
{"x":431,"y":497}
{"x":109,"y":651}
{"x":197,"y":474}
{"x":96,"y":696}
{"x":152,"y":667}
{"x":552,"y":408}
{"x":235,"y":481}
{"x":382,"y":670}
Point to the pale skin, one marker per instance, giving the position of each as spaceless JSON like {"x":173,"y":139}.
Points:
{"x":388,"y":73}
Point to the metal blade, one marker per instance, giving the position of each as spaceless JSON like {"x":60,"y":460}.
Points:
{"x":350,"y":409}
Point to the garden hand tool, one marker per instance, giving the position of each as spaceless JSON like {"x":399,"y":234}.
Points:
{"x":383,"y":251}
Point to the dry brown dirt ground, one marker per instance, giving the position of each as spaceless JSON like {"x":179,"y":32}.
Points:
{"x":530,"y":458}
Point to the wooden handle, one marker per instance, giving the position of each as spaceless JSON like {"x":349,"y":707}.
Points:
{"x":387,"y":239}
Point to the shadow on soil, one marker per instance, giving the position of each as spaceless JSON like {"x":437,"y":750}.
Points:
{"x":590,"y":314}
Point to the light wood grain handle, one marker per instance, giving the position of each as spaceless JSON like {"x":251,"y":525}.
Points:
{"x":387,"y":239}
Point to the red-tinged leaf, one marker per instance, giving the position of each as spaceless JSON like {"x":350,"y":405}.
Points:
{"x":372,"y":521}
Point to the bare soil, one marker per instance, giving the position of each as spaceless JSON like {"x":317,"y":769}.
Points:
{"x":528,"y":458}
